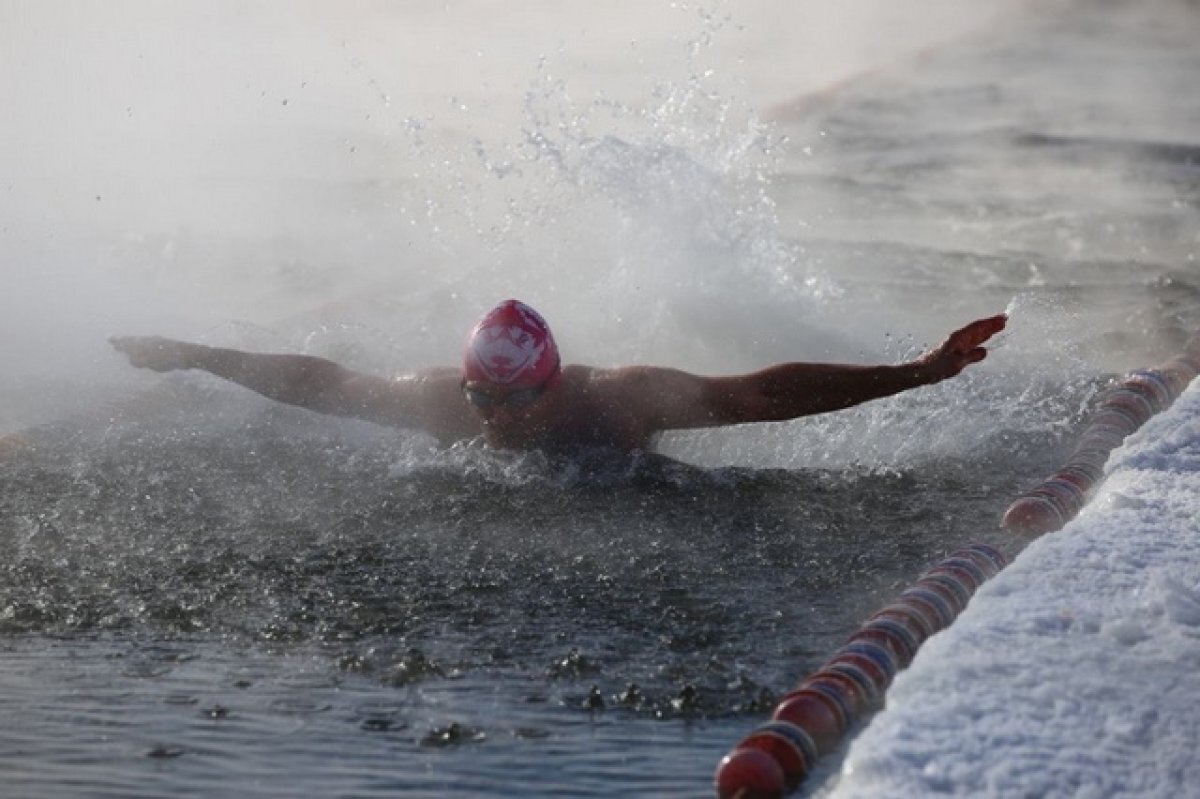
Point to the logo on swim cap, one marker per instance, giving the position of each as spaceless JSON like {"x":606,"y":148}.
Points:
{"x":511,"y":346}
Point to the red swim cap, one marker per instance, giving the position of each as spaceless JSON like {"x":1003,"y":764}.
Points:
{"x":511,"y":346}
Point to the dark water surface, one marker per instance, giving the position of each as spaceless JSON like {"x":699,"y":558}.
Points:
{"x":254,"y":600}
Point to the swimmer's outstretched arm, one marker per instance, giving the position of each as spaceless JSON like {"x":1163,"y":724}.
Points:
{"x":431,"y":399}
{"x":671,"y":399}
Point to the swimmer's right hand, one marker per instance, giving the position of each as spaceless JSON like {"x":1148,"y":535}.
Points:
{"x":154,"y":352}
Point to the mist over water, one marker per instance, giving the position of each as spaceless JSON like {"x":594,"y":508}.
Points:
{"x":714,"y":188}
{"x":192,"y":168}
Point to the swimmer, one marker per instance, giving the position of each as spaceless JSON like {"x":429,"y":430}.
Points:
{"x":514,"y":391}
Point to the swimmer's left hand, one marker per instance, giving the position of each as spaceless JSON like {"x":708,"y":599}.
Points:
{"x":961,"y":348}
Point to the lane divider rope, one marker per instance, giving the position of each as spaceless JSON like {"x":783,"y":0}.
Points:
{"x":1123,"y":410}
{"x":811,"y":720}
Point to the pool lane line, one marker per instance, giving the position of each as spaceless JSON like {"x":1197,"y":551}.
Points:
{"x":811,"y":720}
{"x":1122,"y":411}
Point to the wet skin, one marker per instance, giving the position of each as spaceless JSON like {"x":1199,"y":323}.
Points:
{"x":582,"y":407}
